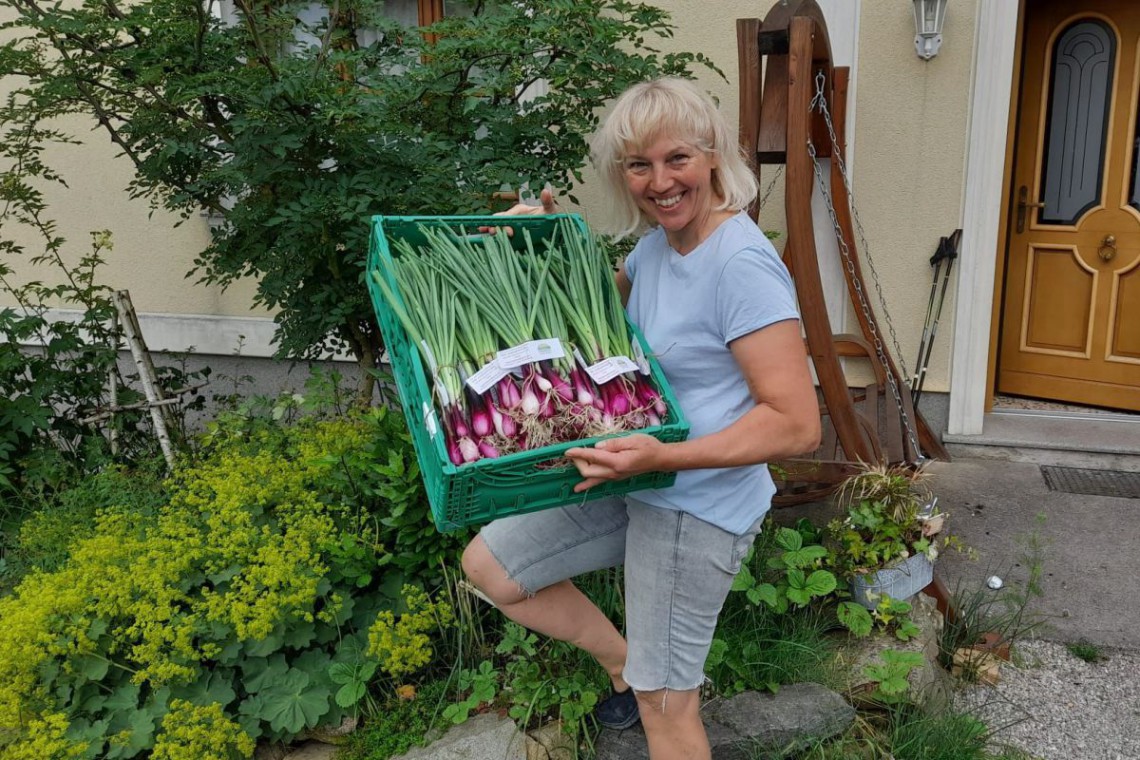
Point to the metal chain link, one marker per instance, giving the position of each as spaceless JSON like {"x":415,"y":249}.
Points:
{"x":820,"y":102}
{"x":771,"y":186}
{"x":848,"y":258}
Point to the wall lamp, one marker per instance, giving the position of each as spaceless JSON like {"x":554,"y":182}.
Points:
{"x":929,"y":16}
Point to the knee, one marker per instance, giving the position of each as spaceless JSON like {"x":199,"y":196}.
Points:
{"x":485,"y":572}
{"x":668,"y":704}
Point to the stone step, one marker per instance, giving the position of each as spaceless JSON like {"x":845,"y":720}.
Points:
{"x":1094,"y":441}
{"x":740,"y":727}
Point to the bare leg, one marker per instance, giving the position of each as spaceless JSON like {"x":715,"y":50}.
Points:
{"x":673,"y":726}
{"x":560,"y":611}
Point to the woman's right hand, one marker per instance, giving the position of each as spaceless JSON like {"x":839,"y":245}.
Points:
{"x":548,"y":205}
{"x":522,"y":209}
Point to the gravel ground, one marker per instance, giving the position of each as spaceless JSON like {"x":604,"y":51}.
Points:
{"x":1057,"y":707}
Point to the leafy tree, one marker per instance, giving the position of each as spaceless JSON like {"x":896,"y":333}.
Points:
{"x":293,"y":132}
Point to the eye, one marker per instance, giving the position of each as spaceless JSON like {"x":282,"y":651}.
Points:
{"x":636,"y":165}
{"x":678,"y":159}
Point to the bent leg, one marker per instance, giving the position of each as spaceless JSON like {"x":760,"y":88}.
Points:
{"x":531,"y":585}
{"x":673,"y":727}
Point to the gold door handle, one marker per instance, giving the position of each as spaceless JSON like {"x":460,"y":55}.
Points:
{"x":1023,"y":205}
{"x":1107,"y":248}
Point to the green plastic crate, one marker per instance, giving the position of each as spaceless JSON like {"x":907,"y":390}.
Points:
{"x":481,"y":491}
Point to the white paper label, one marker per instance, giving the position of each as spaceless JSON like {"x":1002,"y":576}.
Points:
{"x":429,"y":420}
{"x":483,"y":380}
{"x":609,"y":368}
{"x":639,"y":357}
{"x":530,"y":352}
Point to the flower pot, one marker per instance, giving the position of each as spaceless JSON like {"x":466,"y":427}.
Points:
{"x":900,"y":581}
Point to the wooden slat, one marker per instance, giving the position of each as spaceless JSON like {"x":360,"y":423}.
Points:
{"x":801,"y":244}
{"x":871,"y":416}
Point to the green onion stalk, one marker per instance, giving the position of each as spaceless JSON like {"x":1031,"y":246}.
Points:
{"x":593,"y":308}
{"x":463,"y":298}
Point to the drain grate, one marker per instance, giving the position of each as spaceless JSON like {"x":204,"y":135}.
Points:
{"x":1122,"y":485}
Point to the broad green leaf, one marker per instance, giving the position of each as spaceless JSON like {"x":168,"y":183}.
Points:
{"x":805,"y":556}
{"x":293,"y":704}
{"x":743,"y":580}
{"x":91,"y":666}
{"x":766,"y":593}
{"x":267,"y":646}
{"x":260,"y":672}
{"x":820,"y":583}
{"x":788,"y":539}
{"x":798,"y":596}
{"x":300,"y":634}
{"x":796,"y":577}
{"x":349,"y":694}
{"x":855,"y":618}
{"x":213,"y":688}
{"x":342,"y":673}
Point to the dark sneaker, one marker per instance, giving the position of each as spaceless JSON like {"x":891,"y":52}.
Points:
{"x":618,"y":711}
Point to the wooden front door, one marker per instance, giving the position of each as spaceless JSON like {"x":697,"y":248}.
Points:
{"x":1070,"y":326}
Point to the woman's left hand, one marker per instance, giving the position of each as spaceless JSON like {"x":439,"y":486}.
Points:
{"x":615,"y":459}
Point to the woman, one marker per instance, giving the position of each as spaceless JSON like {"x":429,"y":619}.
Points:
{"x":714,"y":301}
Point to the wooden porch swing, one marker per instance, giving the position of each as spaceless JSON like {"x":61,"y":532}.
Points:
{"x":789,"y":122}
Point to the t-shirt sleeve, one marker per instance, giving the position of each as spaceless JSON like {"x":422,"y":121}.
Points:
{"x":754,"y":291}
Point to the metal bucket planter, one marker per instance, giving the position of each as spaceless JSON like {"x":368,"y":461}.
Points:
{"x":900,"y":581}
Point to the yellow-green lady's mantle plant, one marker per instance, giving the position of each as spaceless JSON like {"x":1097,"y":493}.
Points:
{"x":239,"y":611}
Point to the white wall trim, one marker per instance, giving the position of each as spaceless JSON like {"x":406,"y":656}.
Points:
{"x":248,"y":337}
{"x":996,"y":39}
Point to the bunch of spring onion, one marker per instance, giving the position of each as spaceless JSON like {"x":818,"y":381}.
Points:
{"x":468,"y":297}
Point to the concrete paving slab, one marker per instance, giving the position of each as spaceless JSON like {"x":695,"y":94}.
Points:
{"x":1090,"y":555}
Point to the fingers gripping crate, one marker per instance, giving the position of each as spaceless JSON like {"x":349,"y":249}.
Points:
{"x":527,"y":481}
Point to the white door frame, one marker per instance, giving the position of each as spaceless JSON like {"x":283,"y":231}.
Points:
{"x":995,"y":40}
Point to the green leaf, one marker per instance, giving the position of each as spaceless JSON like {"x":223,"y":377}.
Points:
{"x":788,"y":539}
{"x":805,"y":556}
{"x":210,"y":689}
{"x":820,"y":583}
{"x":91,"y":666}
{"x":267,"y":646}
{"x":907,"y":631}
{"x":349,"y":694}
{"x":300,"y":634}
{"x":260,"y":672}
{"x":855,"y":618}
{"x":293,"y":704}
{"x":743,"y":580}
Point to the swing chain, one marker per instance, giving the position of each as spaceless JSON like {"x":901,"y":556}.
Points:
{"x":849,"y":262}
{"x":771,"y":186}
{"x":820,"y":102}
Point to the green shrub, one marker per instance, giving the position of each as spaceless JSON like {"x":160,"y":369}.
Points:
{"x":251,"y":589}
{"x":44,"y":538}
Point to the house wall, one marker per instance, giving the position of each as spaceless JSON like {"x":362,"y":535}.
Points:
{"x":909,"y":143}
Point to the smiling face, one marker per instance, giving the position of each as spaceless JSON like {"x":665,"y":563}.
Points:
{"x":672,"y":183}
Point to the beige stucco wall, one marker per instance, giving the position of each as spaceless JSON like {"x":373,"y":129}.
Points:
{"x":151,"y":255}
{"x":910,"y":160}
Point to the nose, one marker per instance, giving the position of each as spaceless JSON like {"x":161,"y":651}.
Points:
{"x":659,"y":179}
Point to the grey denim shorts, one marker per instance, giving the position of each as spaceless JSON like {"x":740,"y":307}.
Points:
{"x":678,"y":571}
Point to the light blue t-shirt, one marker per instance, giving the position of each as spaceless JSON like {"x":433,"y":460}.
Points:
{"x":690,"y":308}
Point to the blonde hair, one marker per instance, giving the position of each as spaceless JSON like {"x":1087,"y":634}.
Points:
{"x":675,"y":108}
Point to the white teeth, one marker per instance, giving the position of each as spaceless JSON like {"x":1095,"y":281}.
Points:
{"x":667,"y":202}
